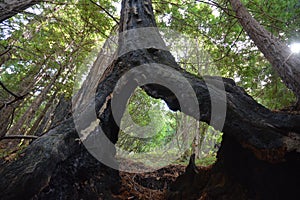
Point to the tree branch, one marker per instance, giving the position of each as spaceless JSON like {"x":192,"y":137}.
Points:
{"x":102,"y":8}
{"x":28,"y":137}
{"x":7,"y":90}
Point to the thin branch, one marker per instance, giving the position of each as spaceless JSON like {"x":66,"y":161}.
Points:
{"x":237,"y":38}
{"x":228,"y":51}
{"x":28,"y":137}
{"x":5,"y":52}
{"x":13,"y":101}
{"x":117,"y":21}
{"x":224,"y":9}
{"x":7,"y":90}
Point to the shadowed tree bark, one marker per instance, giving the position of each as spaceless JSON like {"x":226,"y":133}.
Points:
{"x":258,"y":159}
{"x":13,"y":7}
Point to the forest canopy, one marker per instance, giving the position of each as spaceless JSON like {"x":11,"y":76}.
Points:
{"x":46,"y":46}
{"x":43,"y":47}
{"x":56,"y":56}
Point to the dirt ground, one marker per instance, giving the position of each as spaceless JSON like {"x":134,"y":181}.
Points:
{"x":149,"y":185}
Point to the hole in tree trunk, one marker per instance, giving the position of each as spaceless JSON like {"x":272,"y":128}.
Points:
{"x":152,"y":136}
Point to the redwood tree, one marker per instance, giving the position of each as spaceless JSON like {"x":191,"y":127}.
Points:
{"x":276,"y":52}
{"x":258,"y":159}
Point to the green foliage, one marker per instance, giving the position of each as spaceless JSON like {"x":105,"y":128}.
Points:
{"x":165,"y":127}
{"x":146,"y":111}
{"x":230,"y":50}
{"x":49,"y":44}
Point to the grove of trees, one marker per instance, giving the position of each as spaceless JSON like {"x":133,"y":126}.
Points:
{"x":60,"y":61}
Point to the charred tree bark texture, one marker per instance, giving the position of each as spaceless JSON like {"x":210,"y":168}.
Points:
{"x":13,"y":7}
{"x":57,"y":166}
{"x":259,"y":157}
{"x":260,"y":148}
{"x":276,"y":52}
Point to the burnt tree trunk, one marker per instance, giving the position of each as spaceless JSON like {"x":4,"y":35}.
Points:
{"x":13,"y":7}
{"x":258,"y":159}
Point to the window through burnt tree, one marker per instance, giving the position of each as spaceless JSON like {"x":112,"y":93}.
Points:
{"x":51,"y":115}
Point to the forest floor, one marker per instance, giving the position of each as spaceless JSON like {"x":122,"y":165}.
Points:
{"x":154,"y":184}
{"x":149,"y":185}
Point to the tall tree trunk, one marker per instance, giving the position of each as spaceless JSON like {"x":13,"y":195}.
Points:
{"x":276,"y":52}
{"x":18,"y":128}
{"x":259,"y":152}
{"x":6,"y":114}
{"x":7,"y":109}
{"x":13,"y":7}
{"x":41,"y":117}
{"x":196,"y":141}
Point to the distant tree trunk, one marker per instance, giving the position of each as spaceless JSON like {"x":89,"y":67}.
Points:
{"x":196,"y":141}
{"x":19,"y":128}
{"x":13,"y":7}
{"x":258,"y":159}
{"x":8,"y":106}
{"x":6,"y":118}
{"x":41,"y":117}
{"x":203,"y":131}
{"x":276,"y":52}
{"x":45,"y":124}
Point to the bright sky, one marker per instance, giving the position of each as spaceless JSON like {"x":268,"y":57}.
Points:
{"x":117,"y":6}
{"x":295,"y":47}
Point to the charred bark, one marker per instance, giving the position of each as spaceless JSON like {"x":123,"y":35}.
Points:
{"x":13,"y":7}
{"x":259,"y":153}
{"x":57,"y":166}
